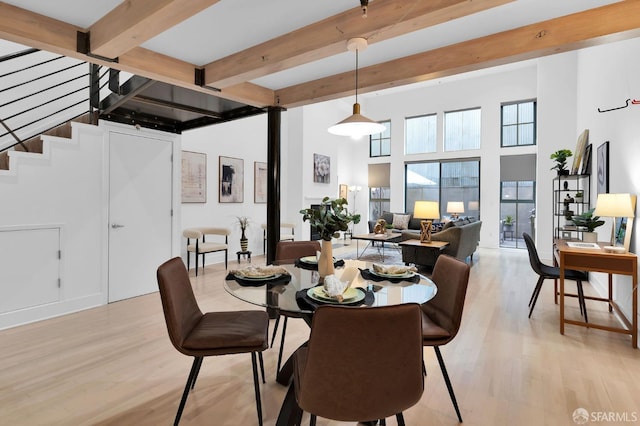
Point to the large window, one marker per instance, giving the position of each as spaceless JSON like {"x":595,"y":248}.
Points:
{"x":444,"y":181}
{"x":518,"y":123}
{"x":379,"y":201}
{"x":380,"y":144}
{"x":462,"y":130}
{"x":420,"y":134}
{"x":517,"y":212}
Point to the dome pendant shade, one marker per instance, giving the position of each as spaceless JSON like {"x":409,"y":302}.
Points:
{"x":356,"y":125}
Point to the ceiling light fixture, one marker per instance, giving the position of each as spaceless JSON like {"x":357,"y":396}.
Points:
{"x":364,"y":4}
{"x":356,"y":125}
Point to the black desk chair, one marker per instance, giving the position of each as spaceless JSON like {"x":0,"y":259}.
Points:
{"x":552,"y":273}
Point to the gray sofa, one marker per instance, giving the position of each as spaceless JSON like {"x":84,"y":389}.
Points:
{"x":414,"y":224}
{"x":462,"y":235}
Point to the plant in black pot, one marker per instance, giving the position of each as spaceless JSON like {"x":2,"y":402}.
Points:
{"x":590,"y":222}
{"x":560,"y":157}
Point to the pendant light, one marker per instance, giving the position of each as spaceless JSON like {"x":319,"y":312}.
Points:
{"x":356,"y":125}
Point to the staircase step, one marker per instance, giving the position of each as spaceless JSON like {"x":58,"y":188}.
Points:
{"x":35,"y":144}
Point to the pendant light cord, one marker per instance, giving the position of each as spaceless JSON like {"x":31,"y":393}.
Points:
{"x":357,"y":75}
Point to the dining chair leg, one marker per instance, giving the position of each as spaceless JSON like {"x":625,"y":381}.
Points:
{"x":583,"y":305}
{"x":448,"y":382}
{"x":534,"y":296}
{"x":536,"y":290}
{"x":312,"y":420}
{"x":424,"y":369}
{"x":195,"y":376}
{"x":264,"y":380}
{"x":284,"y":332}
{"x":187,"y":387}
{"x":275,"y":329}
{"x":256,"y":386}
{"x":400,"y":419}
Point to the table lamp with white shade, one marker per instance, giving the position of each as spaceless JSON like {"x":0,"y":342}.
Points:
{"x":426,"y":210}
{"x":455,"y":208}
{"x":614,"y":206}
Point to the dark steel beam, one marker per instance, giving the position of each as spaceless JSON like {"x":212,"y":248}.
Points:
{"x":273,"y":181}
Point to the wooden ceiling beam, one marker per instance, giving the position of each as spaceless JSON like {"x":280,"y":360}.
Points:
{"x":41,"y":32}
{"x":387,"y":19}
{"x":133,"y":22}
{"x":614,"y":22}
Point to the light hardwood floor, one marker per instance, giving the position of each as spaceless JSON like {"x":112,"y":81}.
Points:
{"x":114,"y":365}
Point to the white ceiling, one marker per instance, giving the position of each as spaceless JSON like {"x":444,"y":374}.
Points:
{"x":230,"y":26}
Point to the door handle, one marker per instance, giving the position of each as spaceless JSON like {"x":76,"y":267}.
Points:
{"x":116,"y":226}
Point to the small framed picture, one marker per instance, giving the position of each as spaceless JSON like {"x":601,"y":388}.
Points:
{"x":603,"y":168}
{"x":259,"y":182}
{"x":231,"y":180}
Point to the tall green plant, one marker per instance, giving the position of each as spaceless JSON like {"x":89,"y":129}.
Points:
{"x":330,"y":218}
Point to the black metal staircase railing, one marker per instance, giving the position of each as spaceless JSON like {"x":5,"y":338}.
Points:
{"x":36,"y":87}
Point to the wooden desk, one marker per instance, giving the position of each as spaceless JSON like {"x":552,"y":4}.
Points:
{"x":597,"y":260}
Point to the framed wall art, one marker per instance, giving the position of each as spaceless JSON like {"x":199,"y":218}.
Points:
{"x":259,"y":182}
{"x":321,"y":168}
{"x":603,"y":168}
{"x":586,"y":161}
{"x":231,"y":180}
{"x":579,"y":153}
{"x":194,"y":177}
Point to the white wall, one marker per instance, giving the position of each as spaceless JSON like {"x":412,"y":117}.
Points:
{"x":487,"y":91}
{"x":245,"y":139}
{"x":607,"y":76}
{"x":68,"y":186}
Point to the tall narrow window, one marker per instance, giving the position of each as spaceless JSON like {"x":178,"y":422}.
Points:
{"x":420,"y":134}
{"x":518,"y":123}
{"x":380,"y":144}
{"x":462,"y":130}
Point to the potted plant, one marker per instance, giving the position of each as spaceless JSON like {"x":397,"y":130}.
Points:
{"x":389,"y":228}
{"x":243,"y":222}
{"x":560,"y":157}
{"x":328,"y":220}
{"x":589,"y":221}
{"x":579,"y":196}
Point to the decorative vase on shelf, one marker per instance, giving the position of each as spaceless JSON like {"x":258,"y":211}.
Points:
{"x":325,"y":262}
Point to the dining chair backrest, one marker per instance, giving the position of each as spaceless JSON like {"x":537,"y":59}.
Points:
{"x":289,"y":251}
{"x":451,"y":276}
{"x":181,"y":310}
{"x":361,"y":363}
{"x":534,"y":259}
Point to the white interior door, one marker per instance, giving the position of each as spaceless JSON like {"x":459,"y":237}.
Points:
{"x":140,"y":193}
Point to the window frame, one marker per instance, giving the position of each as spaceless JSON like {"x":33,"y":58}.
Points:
{"x":435,"y":148}
{"x":444,"y":129}
{"x":518,"y":124}
{"x":378,"y":138}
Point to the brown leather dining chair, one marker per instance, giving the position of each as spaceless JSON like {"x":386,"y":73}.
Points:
{"x":361,"y":364}
{"x":287,"y":252}
{"x":442,"y":315}
{"x":199,"y":335}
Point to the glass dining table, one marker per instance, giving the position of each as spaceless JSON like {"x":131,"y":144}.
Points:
{"x":293,"y":292}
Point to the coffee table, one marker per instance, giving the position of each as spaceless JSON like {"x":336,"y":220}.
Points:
{"x":393,"y":237}
{"x":413,"y":251}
